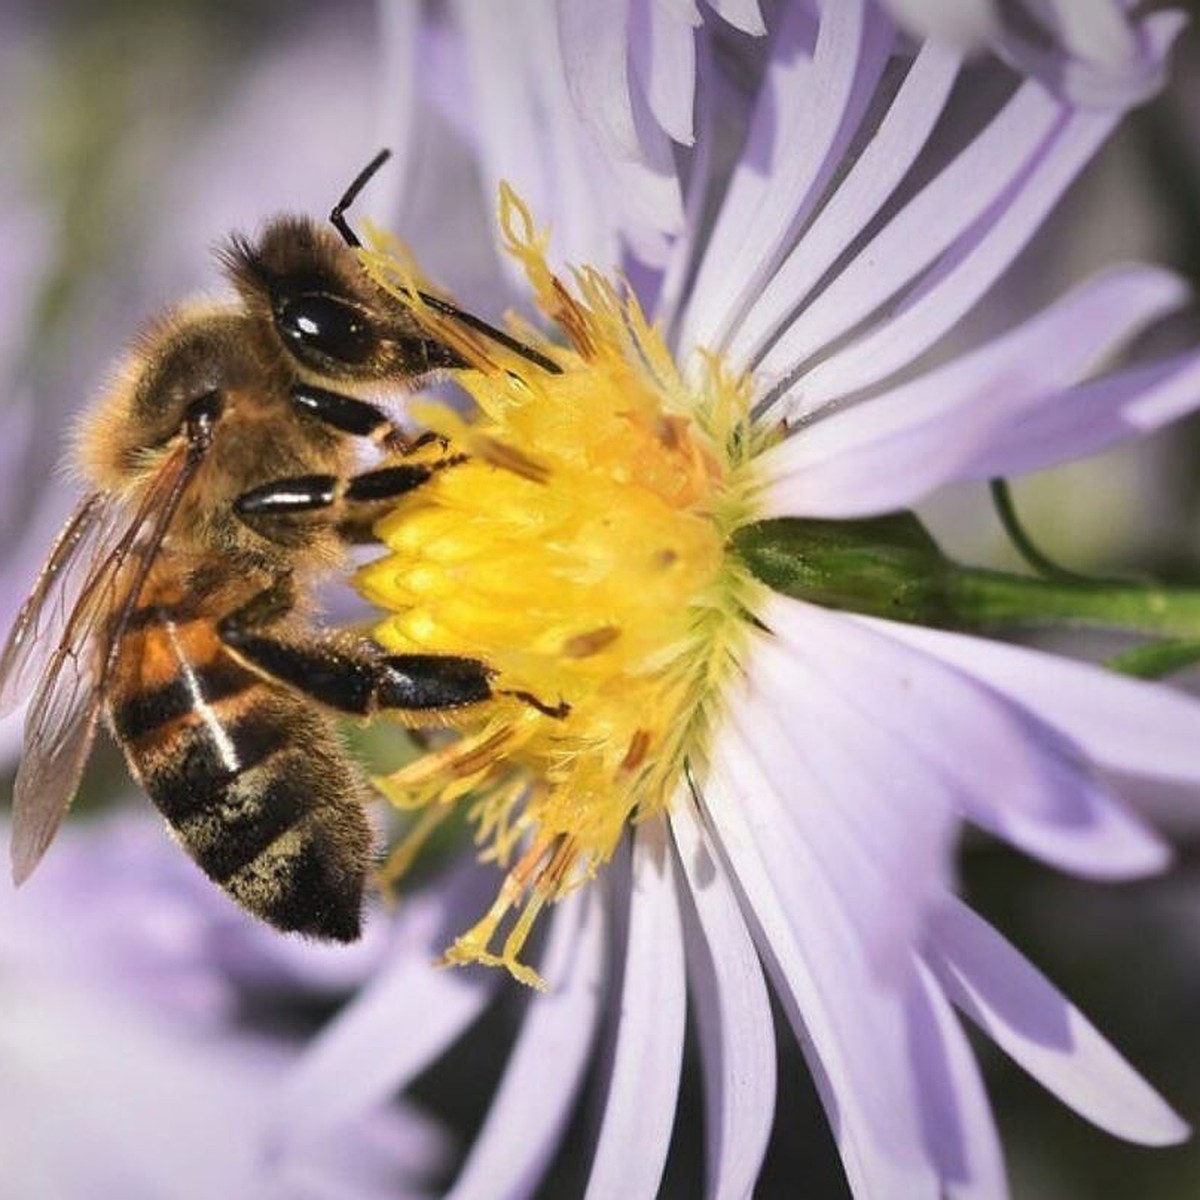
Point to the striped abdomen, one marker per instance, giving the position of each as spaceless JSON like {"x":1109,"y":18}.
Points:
{"x":251,"y":777}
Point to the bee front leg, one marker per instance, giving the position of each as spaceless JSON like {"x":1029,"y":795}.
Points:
{"x":359,"y":680}
{"x":351,"y":505}
{"x":348,"y":414}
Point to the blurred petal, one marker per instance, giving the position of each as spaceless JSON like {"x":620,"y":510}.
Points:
{"x":399,"y":26}
{"x":531,"y":1107}
{"x":1098,"y":56}
{"x":528,"y":133}
{"x":1033,"y":1022}
{"x":733,"y":1014}
{"x":359,"y":1061}
{"x":966,"y":24}
{"x":742,"y":14}
{"x":639,"y":1107}
{"x":890,"y":451}
{"x":1121,"y":723}
{"x":595,"y":46}
{"x":1090,"y":51}
{"x":594,"y":42}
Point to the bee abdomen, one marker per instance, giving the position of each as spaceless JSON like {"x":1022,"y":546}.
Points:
{"x":265,"y":802}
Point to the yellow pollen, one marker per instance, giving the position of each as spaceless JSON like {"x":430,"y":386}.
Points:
{"x":579,"y":550}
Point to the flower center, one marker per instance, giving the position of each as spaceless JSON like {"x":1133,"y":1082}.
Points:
{"x":580,"y":550}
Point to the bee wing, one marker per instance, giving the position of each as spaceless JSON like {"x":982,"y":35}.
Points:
{"x":62,"y":717}
{"x":39,"y":624}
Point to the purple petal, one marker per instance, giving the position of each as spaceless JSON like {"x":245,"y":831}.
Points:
{"x":595,"y":43}
{"x":948,"y":245}
{"x":890,"y":451}
{"x":969,"y":747}
{"x":850,"y":1027}
{"x":530,"y":1109}
{"x":964,"y":24}
{"x":1091,"y":417}
{"x":639,"y":1108}
{"x":1100,"y":60}
{"x":663,"y":54}
{"x":993,"y":171}
{"x":966,"y":227}
{"x":741,"y":14}
{"x":872,"y":177}
{"x":394,"y":1027}
{"x":733,"y":1014}
{"x":817,"y":84}
{"x":645,"y":196}
{"x":957,"y":1118}
{"x":884,"y":817}
{"x":1033,"y":1022}
{"x":1123,"y":724}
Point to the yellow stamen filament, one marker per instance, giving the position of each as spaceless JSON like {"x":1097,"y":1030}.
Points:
{"x":580,"y":551}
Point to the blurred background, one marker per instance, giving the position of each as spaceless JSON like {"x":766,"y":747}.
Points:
{"x":136,"y":134}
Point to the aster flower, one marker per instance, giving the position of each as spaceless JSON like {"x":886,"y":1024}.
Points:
{"x":765,"y":793}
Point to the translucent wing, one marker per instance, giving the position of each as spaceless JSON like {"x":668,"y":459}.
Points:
{"x":40,"y":623}
{"x":62,"y":717}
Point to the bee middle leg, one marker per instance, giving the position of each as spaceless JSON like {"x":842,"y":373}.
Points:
{"x":352,"y":505}
{"x":360,"y":680}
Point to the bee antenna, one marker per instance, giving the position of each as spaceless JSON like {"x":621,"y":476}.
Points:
{"x":338,"y":216}
{"x":338,"y":213}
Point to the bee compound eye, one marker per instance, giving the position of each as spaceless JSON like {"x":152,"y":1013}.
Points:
{"x":318,"y":324}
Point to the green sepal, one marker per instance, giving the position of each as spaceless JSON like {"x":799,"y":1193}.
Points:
{"x":886,"y":566}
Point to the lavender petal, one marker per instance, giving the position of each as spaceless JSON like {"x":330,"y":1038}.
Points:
{"x":1030,"y":1020}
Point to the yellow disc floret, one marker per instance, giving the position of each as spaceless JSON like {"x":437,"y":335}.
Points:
{"x":579,"y":548}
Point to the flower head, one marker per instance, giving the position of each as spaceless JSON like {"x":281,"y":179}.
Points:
{"x":581,"y":550}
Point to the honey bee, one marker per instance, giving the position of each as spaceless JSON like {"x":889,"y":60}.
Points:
{"x":173,"y":604}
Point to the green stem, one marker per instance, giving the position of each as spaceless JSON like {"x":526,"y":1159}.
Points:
{"x":986,"y":599}
{"x":1156,"y":660}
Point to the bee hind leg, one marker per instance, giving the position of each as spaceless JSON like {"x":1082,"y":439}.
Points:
{"x":359,"y":680}
{"x":355,"y":679}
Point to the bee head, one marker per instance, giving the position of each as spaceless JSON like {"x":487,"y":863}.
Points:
{"x":328,"y":317}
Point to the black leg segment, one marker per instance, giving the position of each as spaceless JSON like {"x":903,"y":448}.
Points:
{"x":349,"y":414}
{"x":360,"y":681}
{"x":283,"y":507}
{"x":363,"y":685}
